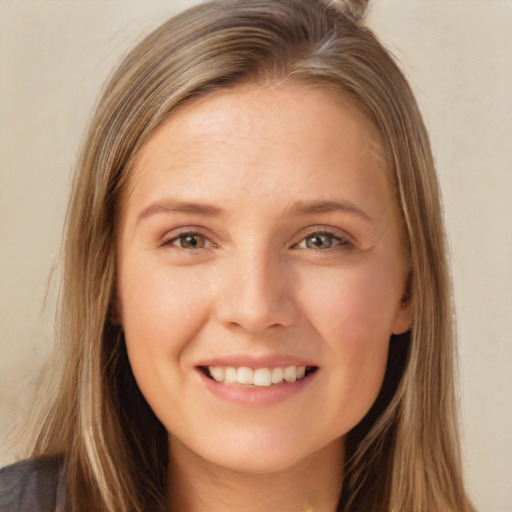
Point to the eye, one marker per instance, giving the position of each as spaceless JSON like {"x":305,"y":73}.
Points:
{"x":189,"y":241}
{"x":322,"y":241}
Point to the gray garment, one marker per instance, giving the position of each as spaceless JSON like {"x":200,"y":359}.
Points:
{"x":33,"y":485}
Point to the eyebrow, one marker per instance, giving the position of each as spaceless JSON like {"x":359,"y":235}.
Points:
{"x":299,"y":209}
{"x":170,"y":206}
{"x":312,"y":207}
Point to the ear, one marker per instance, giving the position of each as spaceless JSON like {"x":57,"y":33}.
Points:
{"x":114,"y":311}
{"x":403,"y":317}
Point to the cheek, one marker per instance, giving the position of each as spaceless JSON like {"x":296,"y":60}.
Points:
{"x":355,"y":304}
{"x":161,"y":311}
{"x":353,"y":315}
{"x":160,"y":308}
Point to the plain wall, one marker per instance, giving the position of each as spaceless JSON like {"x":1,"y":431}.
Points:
{"x":54,"y":57}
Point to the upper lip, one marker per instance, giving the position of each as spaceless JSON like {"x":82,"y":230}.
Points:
{"x":256,"y":361}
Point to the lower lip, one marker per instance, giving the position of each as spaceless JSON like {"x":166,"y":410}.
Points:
{"x":256,"y":396}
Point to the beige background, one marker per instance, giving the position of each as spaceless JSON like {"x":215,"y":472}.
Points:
{"x":54,"y":56}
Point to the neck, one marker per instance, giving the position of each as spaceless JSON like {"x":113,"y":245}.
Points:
{"x":311,"y":485}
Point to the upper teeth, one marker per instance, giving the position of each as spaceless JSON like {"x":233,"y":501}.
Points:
{"x":257,"y":376}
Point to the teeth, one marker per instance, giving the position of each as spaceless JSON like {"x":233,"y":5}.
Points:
{"x":262,"y":377}
{"x":277,"y":375}
{"x":290,"y":374}
{"x":230,"y":375}
{"x":245,"y":375}
{"x":217,"y":372}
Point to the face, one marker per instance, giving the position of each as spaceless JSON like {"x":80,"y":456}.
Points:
{"x":261,"y":270}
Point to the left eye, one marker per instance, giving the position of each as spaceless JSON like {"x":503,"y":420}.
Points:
{"x":320,"y":241}
{"x":189,"y":241}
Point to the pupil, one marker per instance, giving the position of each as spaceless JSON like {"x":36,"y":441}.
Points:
{"x":191,"y":241}
{"x":318,"y":241}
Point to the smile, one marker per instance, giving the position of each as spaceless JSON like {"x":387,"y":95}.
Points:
{"x":257,"y":377}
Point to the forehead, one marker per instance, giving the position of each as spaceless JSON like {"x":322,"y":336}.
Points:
{"x":250,"y":138}
{"x":301,"y":101}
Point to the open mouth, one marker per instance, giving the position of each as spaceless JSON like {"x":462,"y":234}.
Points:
{"x":257,"y":377}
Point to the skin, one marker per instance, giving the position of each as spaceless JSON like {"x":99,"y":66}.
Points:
{"x":266,"y":277}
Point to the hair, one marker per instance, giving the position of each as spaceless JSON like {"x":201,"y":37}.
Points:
{"x":404,"y":455}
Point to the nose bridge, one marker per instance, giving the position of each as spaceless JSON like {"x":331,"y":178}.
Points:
{"x":257,"y":293}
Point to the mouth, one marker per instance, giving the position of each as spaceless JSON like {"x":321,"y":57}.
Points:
{"x":263,"y":377}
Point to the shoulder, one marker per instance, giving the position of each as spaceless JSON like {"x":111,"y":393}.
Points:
{"x":34,"y":485}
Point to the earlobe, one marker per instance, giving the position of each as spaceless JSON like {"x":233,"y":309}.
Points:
{"x":114,"y":314}
{"x":403,"y":317}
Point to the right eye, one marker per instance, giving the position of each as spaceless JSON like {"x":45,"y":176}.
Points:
{"x":189,"y":241}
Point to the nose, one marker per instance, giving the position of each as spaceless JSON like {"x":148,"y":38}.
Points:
{"x":256,"y":293}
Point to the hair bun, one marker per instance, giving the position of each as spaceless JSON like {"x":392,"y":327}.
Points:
{"x":356,"y":9}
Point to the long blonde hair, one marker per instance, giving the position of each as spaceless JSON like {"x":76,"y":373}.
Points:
{"x":404,"y":455}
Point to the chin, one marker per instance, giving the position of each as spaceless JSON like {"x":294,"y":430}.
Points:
{"x":260,"y":454}
{"x":260,"y":464}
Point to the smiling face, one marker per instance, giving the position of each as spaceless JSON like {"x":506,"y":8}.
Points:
{"x":261,"y":243}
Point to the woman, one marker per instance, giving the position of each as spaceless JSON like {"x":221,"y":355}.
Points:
{"x":255,"y":309}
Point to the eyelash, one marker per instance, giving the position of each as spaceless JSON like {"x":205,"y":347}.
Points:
{"x":339,"y":241}
{"x":336,"y":241}
{"x":174,"y":241}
